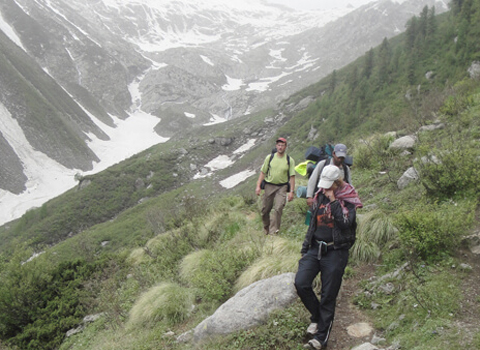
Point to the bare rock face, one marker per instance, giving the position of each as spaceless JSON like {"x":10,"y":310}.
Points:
{"x":12,"y":178}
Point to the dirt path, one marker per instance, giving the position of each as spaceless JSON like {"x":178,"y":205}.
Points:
{"x":347,"y":314}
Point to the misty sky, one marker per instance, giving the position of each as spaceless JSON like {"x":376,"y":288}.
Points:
{"x":319,"y":4}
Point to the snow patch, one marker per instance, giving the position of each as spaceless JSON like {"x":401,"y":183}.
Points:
{"x":207,"y":60}
{"x":215,"y":119}
{"x":232,"y":84}
{"x":10,"y":32}
{"x":35,"y":255}
{"x":234,"y":180}
{"x":40,"y":170}
{"x":245,"y":147}
{"x":223,"y":162}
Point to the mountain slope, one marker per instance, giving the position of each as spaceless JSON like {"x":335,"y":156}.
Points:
{"x":163,"y":67}
{"x":51,"y":121}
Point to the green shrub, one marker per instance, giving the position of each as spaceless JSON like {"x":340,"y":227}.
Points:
{"x":453,"y":172}
{"x":373,"y":153}
{"x":39,"y":302}
{"x":430,"y":229}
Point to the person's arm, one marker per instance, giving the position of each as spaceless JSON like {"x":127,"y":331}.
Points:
{"x":337,"y":213}
{"x":261,"y":177}
{"x":311,"y":229}
{"x":292,"y":188}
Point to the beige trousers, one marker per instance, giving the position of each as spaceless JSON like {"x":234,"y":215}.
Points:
{"x":274,"y":198}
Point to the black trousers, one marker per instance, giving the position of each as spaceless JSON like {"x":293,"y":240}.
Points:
{"x":331,"y":267}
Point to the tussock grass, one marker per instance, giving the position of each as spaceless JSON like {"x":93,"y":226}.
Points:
{"x":190,"y":265}
{"x":378,"y":227}
{"x":247,"y":240}
{"x":374,"y":230}
{"x":364,"y":251}
{"x":220,"y":225}
{"x":165,"y":302}
{"x":213,"y":272}
{"x":137,"y":256}
{"x":279,"y":256}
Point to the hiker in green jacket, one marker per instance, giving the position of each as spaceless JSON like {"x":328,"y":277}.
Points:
{"x":277,"y":179}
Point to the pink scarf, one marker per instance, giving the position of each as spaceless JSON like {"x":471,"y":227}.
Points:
{"x":345,"y":194}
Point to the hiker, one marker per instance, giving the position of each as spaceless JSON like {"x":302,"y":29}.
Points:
{"x":338,"y":158}
{"x":325,"y":250}
{"x":277,"y":179}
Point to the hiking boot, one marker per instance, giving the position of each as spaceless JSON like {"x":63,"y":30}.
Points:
{"x":312,"y":328}
{"x":314,"y":344}
{"x":265,"y":230}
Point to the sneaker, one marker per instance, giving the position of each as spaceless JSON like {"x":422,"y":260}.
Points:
{"x":313,"y":344}
{"x":312,"y":328}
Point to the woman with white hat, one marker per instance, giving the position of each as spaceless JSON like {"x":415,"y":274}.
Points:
{"x":325,"y":250}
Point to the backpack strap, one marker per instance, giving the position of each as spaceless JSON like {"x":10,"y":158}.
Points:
{"x":271,"y":157}
{"x":347,"y":172}
{"x":288,"y":171}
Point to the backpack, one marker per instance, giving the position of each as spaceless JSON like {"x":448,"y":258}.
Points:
{"x":316,"y":155}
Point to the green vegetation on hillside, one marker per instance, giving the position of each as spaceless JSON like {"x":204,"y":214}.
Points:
{"x":152,"y":253}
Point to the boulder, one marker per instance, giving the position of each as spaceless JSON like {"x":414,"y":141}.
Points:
{"x":224,"y":141}
{"x":408,"y":176}
{"x":405,"y":142}
{"x":248,"y":308}
{"x":359,"y":330}
{"x":474,"y":70}
{"x":473,"y":243}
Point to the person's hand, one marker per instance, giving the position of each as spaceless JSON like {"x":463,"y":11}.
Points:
{"x":258,"y":190}
{"x":330,"y":195}
{"x":309,"y":202}
{"x":290,"y":196}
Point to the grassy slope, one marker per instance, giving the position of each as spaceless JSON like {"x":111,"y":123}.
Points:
{"x":151,"y":246}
